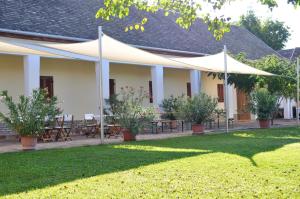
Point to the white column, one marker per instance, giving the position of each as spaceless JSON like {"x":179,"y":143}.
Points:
{"x":31,"y":73}
{"x":231,"y":101}
{"x":287,"y":108}
{"x":105,"y":80}
{"x":157,"y":77}
{"x":195,"y":77}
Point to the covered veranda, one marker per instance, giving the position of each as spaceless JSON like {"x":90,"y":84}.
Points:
{"x":113,"y":52}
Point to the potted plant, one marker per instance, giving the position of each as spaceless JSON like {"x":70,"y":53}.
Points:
{"x":27,"y":117}
{"x":197,"y":109}
{"x":110,"y":109}
{"x":131,"y":114}
{"x":263,"y":104}
{"x":170,"y":107}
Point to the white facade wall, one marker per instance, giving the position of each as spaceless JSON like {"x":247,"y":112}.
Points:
{"x":75,"y":81}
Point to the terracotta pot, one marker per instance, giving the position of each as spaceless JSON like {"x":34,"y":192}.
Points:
{"x":264,"y":124}
{"x":198,"y":129}
{"x":28,"y":142}
{"x":128,"y":136}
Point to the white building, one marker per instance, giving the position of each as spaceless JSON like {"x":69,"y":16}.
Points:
{"x":73,"y":81}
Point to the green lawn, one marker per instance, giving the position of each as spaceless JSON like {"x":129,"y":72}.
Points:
{"x":249,"y":164}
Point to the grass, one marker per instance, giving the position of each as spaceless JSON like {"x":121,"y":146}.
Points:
{"x":246,"y":164}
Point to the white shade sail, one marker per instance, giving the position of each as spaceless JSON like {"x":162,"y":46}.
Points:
{"x":7,"y":47}
{"x":116,"y":51}
{"x":216,"y":63}
{"x":112,"y":50}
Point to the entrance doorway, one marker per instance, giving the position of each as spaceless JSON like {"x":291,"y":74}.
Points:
{"x":242,"y":106}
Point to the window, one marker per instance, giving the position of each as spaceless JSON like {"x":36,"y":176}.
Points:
{"x":188,"y":89}
{"x":46,"y":82}
{"x":150,"y":92}
{"x":220,"y":93}
{"x":112,"y":87}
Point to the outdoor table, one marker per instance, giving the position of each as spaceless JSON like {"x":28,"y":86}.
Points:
{"x":113,"y":130}
{"x":47,"y":135}
{"x":218,"y":117}
{"x":164,"y":122}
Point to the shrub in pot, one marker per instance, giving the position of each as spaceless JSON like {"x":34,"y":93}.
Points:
{"x":263,"y":104}
{"x":131,"y":114}
{"x":197,"y":109}
{"x":170,"y":107}
{"x":27,"y":116}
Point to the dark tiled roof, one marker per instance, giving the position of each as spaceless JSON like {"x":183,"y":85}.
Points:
{"x":76,"y":18}
{"x":291,"y":54}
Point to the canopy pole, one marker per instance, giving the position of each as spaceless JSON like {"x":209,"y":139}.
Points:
{"x":101,"y":86}
{"x":297,"y":116}
{"x":226,"y":88}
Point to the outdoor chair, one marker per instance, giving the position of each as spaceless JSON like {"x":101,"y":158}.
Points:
{"x":68,"y":122}
{"x":231,"y":121}
{"x":111,"y":128}
{"x":211,"y":121}
{"x":48,"y":131}
{"x":64,"y":125}
{"x":59,"y":127}
{"x":91,"y":127}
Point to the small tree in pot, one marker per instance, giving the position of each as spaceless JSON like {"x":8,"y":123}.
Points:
{"x":27,"y":117}
{"x":263,"y":104}
{"x":171,"y":108}
{"x":197,"y":109}
{"x":131,"y":114}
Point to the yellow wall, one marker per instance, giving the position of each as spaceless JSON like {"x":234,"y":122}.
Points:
{"x":175,"y":81}
{"x":74,"y":84}
{"x":131,"y":76}
{"x":11,"y":76}
{"x":209,"y":86}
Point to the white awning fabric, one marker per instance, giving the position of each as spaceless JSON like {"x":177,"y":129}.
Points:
{"x":112,"y":50}
{"x":116,"y":51}
{"x":216,"y":63}
{"x":7,"y":47}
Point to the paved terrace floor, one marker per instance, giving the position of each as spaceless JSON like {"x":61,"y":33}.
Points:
{"x":13,"y":145}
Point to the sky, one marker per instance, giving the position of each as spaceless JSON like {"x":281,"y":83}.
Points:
{"x":286,"y":13}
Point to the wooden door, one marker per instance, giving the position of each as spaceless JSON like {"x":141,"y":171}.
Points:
{"x":242,"y":104}
{"x":46,"y":82}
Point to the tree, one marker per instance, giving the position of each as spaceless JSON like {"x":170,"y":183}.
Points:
{"x":185,"y":11}
{"x":273,"y":33}
{"x":283,"y":84}
{"x":294,"y":2}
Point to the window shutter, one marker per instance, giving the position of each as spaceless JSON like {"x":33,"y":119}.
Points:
{"x":150,"y":92}
{"x":220,"y":93}
{"x":46,"y":82}
{"x":112,"y":87}
{"x":189,"y":89}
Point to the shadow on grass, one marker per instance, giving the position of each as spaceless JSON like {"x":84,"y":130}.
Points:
{"x":243,"y":143}
{"x":21,"y":172}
